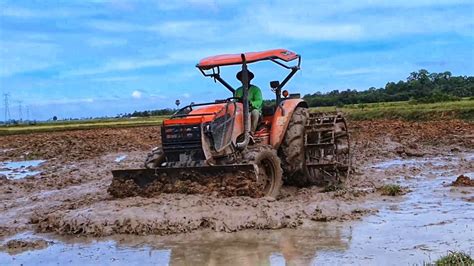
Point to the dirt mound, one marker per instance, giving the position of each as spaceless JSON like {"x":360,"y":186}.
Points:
{"x":175,"y":213}
{"x":463,"y":181}
{"x":16,"y":246}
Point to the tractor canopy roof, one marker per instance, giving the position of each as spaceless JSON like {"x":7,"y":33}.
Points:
{"x":251,"y":57}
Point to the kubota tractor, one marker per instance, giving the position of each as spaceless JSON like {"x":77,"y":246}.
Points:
{"x":208,"y":147}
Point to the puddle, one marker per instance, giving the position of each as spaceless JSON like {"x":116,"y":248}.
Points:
{"x":19,"y":169}
{"x":416,"y":228}
{"x":408,"y":162}
{"x":120,"y":158}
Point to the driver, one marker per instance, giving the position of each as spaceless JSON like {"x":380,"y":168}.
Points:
{"x":255,"y":99}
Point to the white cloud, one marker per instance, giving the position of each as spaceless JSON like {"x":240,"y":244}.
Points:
{"x":115,"y":26}
{"x":19,"y":57}
{"x":34,"y":13}
{"x":105,"y":42}
{"x":186,"y":95}
{"x":117,"y":65}
{"x":316,"y":31}
{"x":116,"y":78}
{"x":137,"y":94}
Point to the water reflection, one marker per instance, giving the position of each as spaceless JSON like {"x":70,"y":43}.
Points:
{"x":276,"y":247}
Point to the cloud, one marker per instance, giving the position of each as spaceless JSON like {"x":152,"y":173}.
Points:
{"x":316,"y":31}
{"x":208,"y":5}
{"x":25,"y":56}
{"x":46,"y":13}
{"x":116,"y":78}
{"x":115,"y":26}
{"x":137,"y":94}
{"x":105,"y":42}
{"x":117,"y":65}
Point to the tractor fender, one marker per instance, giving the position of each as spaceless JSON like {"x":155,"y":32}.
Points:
{"x":281,"y":118}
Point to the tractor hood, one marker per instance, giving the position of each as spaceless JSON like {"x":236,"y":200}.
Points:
{"x":203,"y":114}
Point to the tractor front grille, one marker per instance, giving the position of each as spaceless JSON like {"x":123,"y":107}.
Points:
{"x":182,"y":143}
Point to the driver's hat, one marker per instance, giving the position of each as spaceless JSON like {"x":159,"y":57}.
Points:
{"x":239,"y":75}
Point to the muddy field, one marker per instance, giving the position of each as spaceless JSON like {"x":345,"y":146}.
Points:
{"x":67,"y":195}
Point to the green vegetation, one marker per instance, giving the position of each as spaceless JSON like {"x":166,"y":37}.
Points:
{"x":423,"y":96}
{"x":148,"y":113}
{"x":463,"y":109}
{"x":408,"y":110}
{"x":455,"y":258}
{"x":81,"y":124}
{"x":419,"y":87}
{"x":391,"y":190}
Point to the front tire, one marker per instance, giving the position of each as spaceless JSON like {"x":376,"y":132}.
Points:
{"x":155,"y":158}
{"x":269,"y":171}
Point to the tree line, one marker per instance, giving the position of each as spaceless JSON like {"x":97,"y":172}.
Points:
{"x":420,"y":86}
{"x":147,"y":113}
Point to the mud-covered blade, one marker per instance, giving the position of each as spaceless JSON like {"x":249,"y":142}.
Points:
{"x":227,"y":180}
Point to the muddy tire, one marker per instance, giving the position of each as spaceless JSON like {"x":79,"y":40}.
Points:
{"x":269,"y":173}
{"x":292,"y":149}
{"x":155,"y":158}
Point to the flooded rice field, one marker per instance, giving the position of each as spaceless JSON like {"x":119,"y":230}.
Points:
{"x":430,"y":220}
{"x":62,"y":214}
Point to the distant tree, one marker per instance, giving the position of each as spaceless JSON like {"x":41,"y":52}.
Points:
{"x":420,"y":86}
{"x":55,"y":118}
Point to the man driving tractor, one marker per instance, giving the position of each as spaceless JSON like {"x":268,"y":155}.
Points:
{"x":255,"y":99}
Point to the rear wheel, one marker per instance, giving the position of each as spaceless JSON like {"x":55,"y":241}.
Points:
{"x":315,"y":149}
{"x":292,"y":149}
{"x":269,"y":172}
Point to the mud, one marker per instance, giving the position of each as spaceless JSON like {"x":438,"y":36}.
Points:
{"x":237,"y":183}
{"x":16,"y":246}
{"x":70,"y":195}
{"x":414,"y":229}
{"x":463,"y":181}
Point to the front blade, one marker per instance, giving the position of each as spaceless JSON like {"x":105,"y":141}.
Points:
{"x":223,"y":180}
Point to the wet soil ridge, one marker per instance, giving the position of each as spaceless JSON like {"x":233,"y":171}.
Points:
{"x":70,"y":195}
{"x":463,"y":181}
{"x":17,"y":246}
{"x":173,"y":213}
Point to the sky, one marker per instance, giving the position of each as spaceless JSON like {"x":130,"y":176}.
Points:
{"x":83,"y":58}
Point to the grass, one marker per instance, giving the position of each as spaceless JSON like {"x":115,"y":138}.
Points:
{"x":81,"y":124}
{"x":463,"y":109}
{"x":455,"y":258}
{"x":391,"y":190}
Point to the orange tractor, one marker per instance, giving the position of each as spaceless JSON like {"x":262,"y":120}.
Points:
{"x":209,"y":147}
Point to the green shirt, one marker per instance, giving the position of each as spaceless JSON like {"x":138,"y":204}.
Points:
{"x":255,"y":97}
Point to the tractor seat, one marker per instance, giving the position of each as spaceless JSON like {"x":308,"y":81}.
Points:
{"x":268,"y":110}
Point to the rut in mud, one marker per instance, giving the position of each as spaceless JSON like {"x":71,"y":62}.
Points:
{"x":70,"y":195}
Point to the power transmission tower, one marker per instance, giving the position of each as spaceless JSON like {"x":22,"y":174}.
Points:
{"x":27,"y":113}
{"x":20,"y":113}
{"x":7,"y":107}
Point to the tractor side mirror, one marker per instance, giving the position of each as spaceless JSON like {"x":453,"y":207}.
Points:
{"x":274,"y":84}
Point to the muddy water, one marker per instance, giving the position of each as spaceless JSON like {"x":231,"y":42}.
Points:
{"x":19,"y":169}
{"x":418,"y":227}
